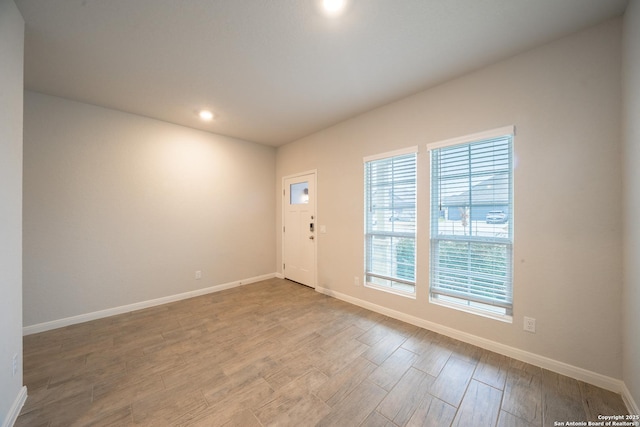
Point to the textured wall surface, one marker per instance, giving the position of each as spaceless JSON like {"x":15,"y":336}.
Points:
{"x":120,"y":209}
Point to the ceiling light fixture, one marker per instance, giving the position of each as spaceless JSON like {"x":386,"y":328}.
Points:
{"x":206,"y":115}
{"x":333,"y":7}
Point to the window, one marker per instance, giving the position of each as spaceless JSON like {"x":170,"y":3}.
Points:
{"x":299,"y":193}
{"x":472,"y":223}
{"x":390,"y":221}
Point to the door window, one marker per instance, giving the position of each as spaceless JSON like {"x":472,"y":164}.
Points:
{"x":299,"y":193}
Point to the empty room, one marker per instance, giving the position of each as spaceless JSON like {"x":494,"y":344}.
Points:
{"x":319,"y":212}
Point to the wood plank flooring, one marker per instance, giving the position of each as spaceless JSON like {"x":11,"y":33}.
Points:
{"x":276,"y":353}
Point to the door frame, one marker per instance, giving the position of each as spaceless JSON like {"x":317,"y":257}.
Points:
{"x":314,"y":173}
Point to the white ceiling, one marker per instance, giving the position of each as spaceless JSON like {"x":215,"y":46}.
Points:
{"x":276,"y":70}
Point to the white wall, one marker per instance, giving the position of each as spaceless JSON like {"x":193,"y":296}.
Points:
{"x":564,"y":98}
{"x":11,"y":59}
{"x":631,"y":212}
{"x":120,"y":209}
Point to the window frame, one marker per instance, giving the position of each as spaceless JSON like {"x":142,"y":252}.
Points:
{"x":492,"y":309}
{"x":369,"y":234}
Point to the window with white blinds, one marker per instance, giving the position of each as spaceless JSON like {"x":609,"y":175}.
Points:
{"x":472,"y":222}
{"x":390,"y":221}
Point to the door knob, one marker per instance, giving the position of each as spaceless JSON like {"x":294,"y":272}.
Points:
{"x":311,"y":237}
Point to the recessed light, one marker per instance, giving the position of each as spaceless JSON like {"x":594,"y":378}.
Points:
{"x":333,"y":7}
{"x":206,"y":115}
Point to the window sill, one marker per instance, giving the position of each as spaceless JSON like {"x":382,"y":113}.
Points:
{"x":478,"y":312}
{"x":390,"y":290}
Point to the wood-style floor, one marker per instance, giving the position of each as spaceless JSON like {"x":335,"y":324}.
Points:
{"x":276,"y":353}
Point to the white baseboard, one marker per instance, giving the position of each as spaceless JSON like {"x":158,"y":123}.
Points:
{"x":54,"y":324}
{"x":280,"y":275}
{"x":581,"y":374}
{"x":15,"y":409}
{"x":631,"y":404}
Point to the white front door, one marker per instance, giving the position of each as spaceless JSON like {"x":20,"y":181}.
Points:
{"x":299,"y":229}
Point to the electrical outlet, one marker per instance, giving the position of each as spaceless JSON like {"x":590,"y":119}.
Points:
{"x":14,"y":364}
{"x":530,"y":324}
{"x":198,"y":275}
{"x":356,"y":281}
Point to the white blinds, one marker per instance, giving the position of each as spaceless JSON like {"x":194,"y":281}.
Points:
{"x":390,"y":221}
{"x":472,"y":221}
